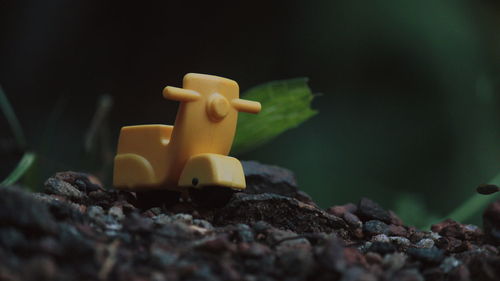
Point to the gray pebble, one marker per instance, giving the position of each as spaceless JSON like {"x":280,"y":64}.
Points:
{"x":449,"y":264}
{"x":62,"y":188}
{"x":394,"y":261}
{"x":400,"y":241}
{"x":203,"y":223}
{"x":380,"y":238}
{"x":185,"y":218}
{"x":375,"y":227}
{"x":425,"y":243}
{"x":95,"y":212}
{"x":116,"y":212}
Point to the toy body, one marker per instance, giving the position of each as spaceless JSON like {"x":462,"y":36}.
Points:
{"x":193,"y":152}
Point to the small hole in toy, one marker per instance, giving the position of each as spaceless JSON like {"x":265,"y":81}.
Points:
{"x":194,"y":181}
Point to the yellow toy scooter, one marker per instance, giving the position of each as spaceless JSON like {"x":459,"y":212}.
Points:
{"x":159,"y":161}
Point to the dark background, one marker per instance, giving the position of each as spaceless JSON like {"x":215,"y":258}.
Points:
{"x":410,"y":89}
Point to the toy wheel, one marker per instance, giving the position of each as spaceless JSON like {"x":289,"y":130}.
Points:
{"x":211,"y":196}
{"x":156,"y":198}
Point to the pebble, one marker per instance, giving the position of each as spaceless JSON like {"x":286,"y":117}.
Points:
{"x":96,"y":213}
{"x":358,"y":274}
{"x":407,"y":275}
{"x":425,"y":243}
{"x":430,"y":255}
{"x":339,"y":211}
{"x":382,"y":248}
{"x":449,"y":264}
{"x":373,"y":258}
{"x":203,"y":224}
{"x":400,"y":241}
{"x":244,"y":233}
{"x":59,"y":187}
{"x":374,"y":227}
{"x":380,"y":238}
{"x":369,"y":210}
{"x":396,"y":230}
{"x":116,"y":212}
{"x":394,"y":261}
{"x":185,"y":218}
{"x":352,"y":220}
{"x":434,"y":235}
{"x":163,"y":257}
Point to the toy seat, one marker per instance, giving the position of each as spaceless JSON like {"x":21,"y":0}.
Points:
{"x":140,"y":159}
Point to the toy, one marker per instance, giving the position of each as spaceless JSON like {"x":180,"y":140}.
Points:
{"x":160,"y":161}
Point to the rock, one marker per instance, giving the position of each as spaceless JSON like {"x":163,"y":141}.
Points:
{"x":185,"y":218}
{"x":96,"y":213}
{"x":429,"y":255}
{"x":380,"y":238}
{"x":358,"y":274}
{"x":21,"y":210}
{"x":449,"y":228}
{"x":382,"y":248}
{"x":276,"y":210}
{"x":400,"y":241}
{"x":262,"y":236}
{"x":425,"y":243}
{"x":373,"y":258}
{"x":369,"y":210}
{"x":375,"y":227}
{"x":339,"y":211}
{"x":203,"y":224}
{"x":59,"y":187}
{"x":352,"y":220}
{"x":136,"y":223}
{"x":449,"y":264}
{"x":407,"y":275}
{"x":397,"y":230}
{"x":84,"y":182}
{"x":395,"y":220}
{"x":331,"y":256}
{"x":394,"y":262}
{"x":491,"y":222}
{"x":261,"y":178}
{"x":116,"y":212}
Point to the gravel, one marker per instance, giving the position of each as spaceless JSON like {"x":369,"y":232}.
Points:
{"x":79,"y":230}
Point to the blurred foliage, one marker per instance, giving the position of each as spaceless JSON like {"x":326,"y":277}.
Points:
{"x":412,"y":208}
{"x":285,"y":104}
{"x":20,"y":170}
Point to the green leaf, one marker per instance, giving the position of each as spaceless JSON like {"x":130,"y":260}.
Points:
{"x":22,"y":167}
{"x":285,"y":105}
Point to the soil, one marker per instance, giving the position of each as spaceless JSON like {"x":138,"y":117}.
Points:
{"x":78,"y":230}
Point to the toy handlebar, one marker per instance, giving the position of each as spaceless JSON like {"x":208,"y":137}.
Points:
{"x":246,"y":105}
{"x":180,"y":94}
{"x":186,"y":95}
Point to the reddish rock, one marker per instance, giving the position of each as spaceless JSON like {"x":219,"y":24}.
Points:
{"x":396,"y":230}
{"x":340,"y":210}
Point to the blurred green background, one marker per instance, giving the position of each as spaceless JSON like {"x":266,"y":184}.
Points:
{"x":409,"y":112}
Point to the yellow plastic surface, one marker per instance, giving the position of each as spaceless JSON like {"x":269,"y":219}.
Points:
{"x":213,"y":169}
{"x":155,"y":156}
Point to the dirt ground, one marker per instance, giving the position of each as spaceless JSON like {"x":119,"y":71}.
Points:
{"x":78,"y":230}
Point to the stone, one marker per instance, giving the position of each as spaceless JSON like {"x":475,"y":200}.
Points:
{"x":382,"y":248}
{"x":375,"y":227}
{"x":275,"y":210}
{"x":369,"y":210}
{"x":62,"y":188}
{"x":425,"y":243}
{"x":430,"y":255}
